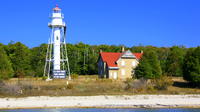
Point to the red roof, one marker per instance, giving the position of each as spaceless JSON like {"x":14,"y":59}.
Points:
{"x":110,"y":58}
{"x":138,"y":55}
{"x":56,"y":8}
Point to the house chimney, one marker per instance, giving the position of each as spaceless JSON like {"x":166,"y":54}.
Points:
{"x":123,"y":49}
{"x":101,"y":50}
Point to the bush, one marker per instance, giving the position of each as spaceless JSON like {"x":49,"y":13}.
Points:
{"x":141,"y":83}
{"x":135,"y":84}
{"x":74,"y":76}
{"x":70,"y":86}
{"x":129,"y":83}
{"x":44,"y":77}
{"x":163,"y":83}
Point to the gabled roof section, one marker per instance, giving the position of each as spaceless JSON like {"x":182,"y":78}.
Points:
{"x":128,"y":54}
{"x":138,"y":55}
{"x":110,"y":58}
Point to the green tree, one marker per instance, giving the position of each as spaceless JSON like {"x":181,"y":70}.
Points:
{"x":149,"y":66}
{"x":19,"y":55}
{"x":73,"y":55}
{"x":6,"y":70}
{"x":174,"y":61}
{"x":144,"y":69}
{"x":162,"y":57}
{"x":191,"y":66}
{"x":37,"y":59}
{"x":92,"y":62}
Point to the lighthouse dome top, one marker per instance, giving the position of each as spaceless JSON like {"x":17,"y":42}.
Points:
{"x":56,"y":8}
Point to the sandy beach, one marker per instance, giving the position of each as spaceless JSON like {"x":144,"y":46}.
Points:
{"x":134,"y":101}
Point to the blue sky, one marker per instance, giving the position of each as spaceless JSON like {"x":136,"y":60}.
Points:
{"x":113,"y":22}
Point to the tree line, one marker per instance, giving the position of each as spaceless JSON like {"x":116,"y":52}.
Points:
{"x":17,"y":60}
{"x":175,"y":61}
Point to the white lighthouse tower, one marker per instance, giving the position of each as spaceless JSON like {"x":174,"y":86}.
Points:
{"x":57,"y":65}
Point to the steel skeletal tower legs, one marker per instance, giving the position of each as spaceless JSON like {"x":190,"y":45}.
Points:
{"x":64,"y":62}
{"x":57,"y":64}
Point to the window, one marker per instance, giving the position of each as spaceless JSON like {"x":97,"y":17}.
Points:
{"x":123,"y":63}
{"x":110,"y":74}
{"x":133,"y":63}
{"x":115,"y":75}
{"x":57,"y":38}
{"x":123,"y":72}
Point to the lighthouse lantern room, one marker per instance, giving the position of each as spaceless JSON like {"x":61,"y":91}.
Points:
{"x":57,"y":65}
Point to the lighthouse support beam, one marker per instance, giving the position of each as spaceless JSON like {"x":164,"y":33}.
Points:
{"x":57,"y":63}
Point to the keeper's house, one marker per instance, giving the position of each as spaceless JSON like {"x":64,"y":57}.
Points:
{"x":118,"y":65}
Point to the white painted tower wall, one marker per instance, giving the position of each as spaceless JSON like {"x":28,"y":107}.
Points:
{"x":56,"y":50}
{"x":57,"y":47}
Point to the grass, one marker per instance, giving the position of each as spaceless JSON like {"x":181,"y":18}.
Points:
{"x":89,"y":85}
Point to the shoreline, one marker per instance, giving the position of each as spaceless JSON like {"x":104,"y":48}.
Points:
{"x":102,"y":101}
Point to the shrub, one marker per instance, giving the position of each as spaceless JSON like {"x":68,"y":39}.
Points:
{"x":162,"y":83}
{"x":141,"y":83}
{"x":129,"y":83}
{"x":74,"y":76}
{"x":44,"y":77}
{"x":135,"y":84}
{"x":70,"y":86}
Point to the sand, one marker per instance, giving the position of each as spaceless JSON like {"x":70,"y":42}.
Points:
{"x":122,"y":101}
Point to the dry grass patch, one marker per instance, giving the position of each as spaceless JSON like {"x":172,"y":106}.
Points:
{"x":91,"y":85}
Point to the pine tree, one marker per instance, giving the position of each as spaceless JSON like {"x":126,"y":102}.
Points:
{"x":191,"y":66}
{"x":174,"y":61}
{"x":149,"y":66}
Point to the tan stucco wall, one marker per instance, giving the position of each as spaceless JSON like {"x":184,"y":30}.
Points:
{"x":126,"y":70}
{"x":113,"y":74}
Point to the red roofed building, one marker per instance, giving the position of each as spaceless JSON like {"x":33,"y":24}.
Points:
{"x":118,"y":65}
